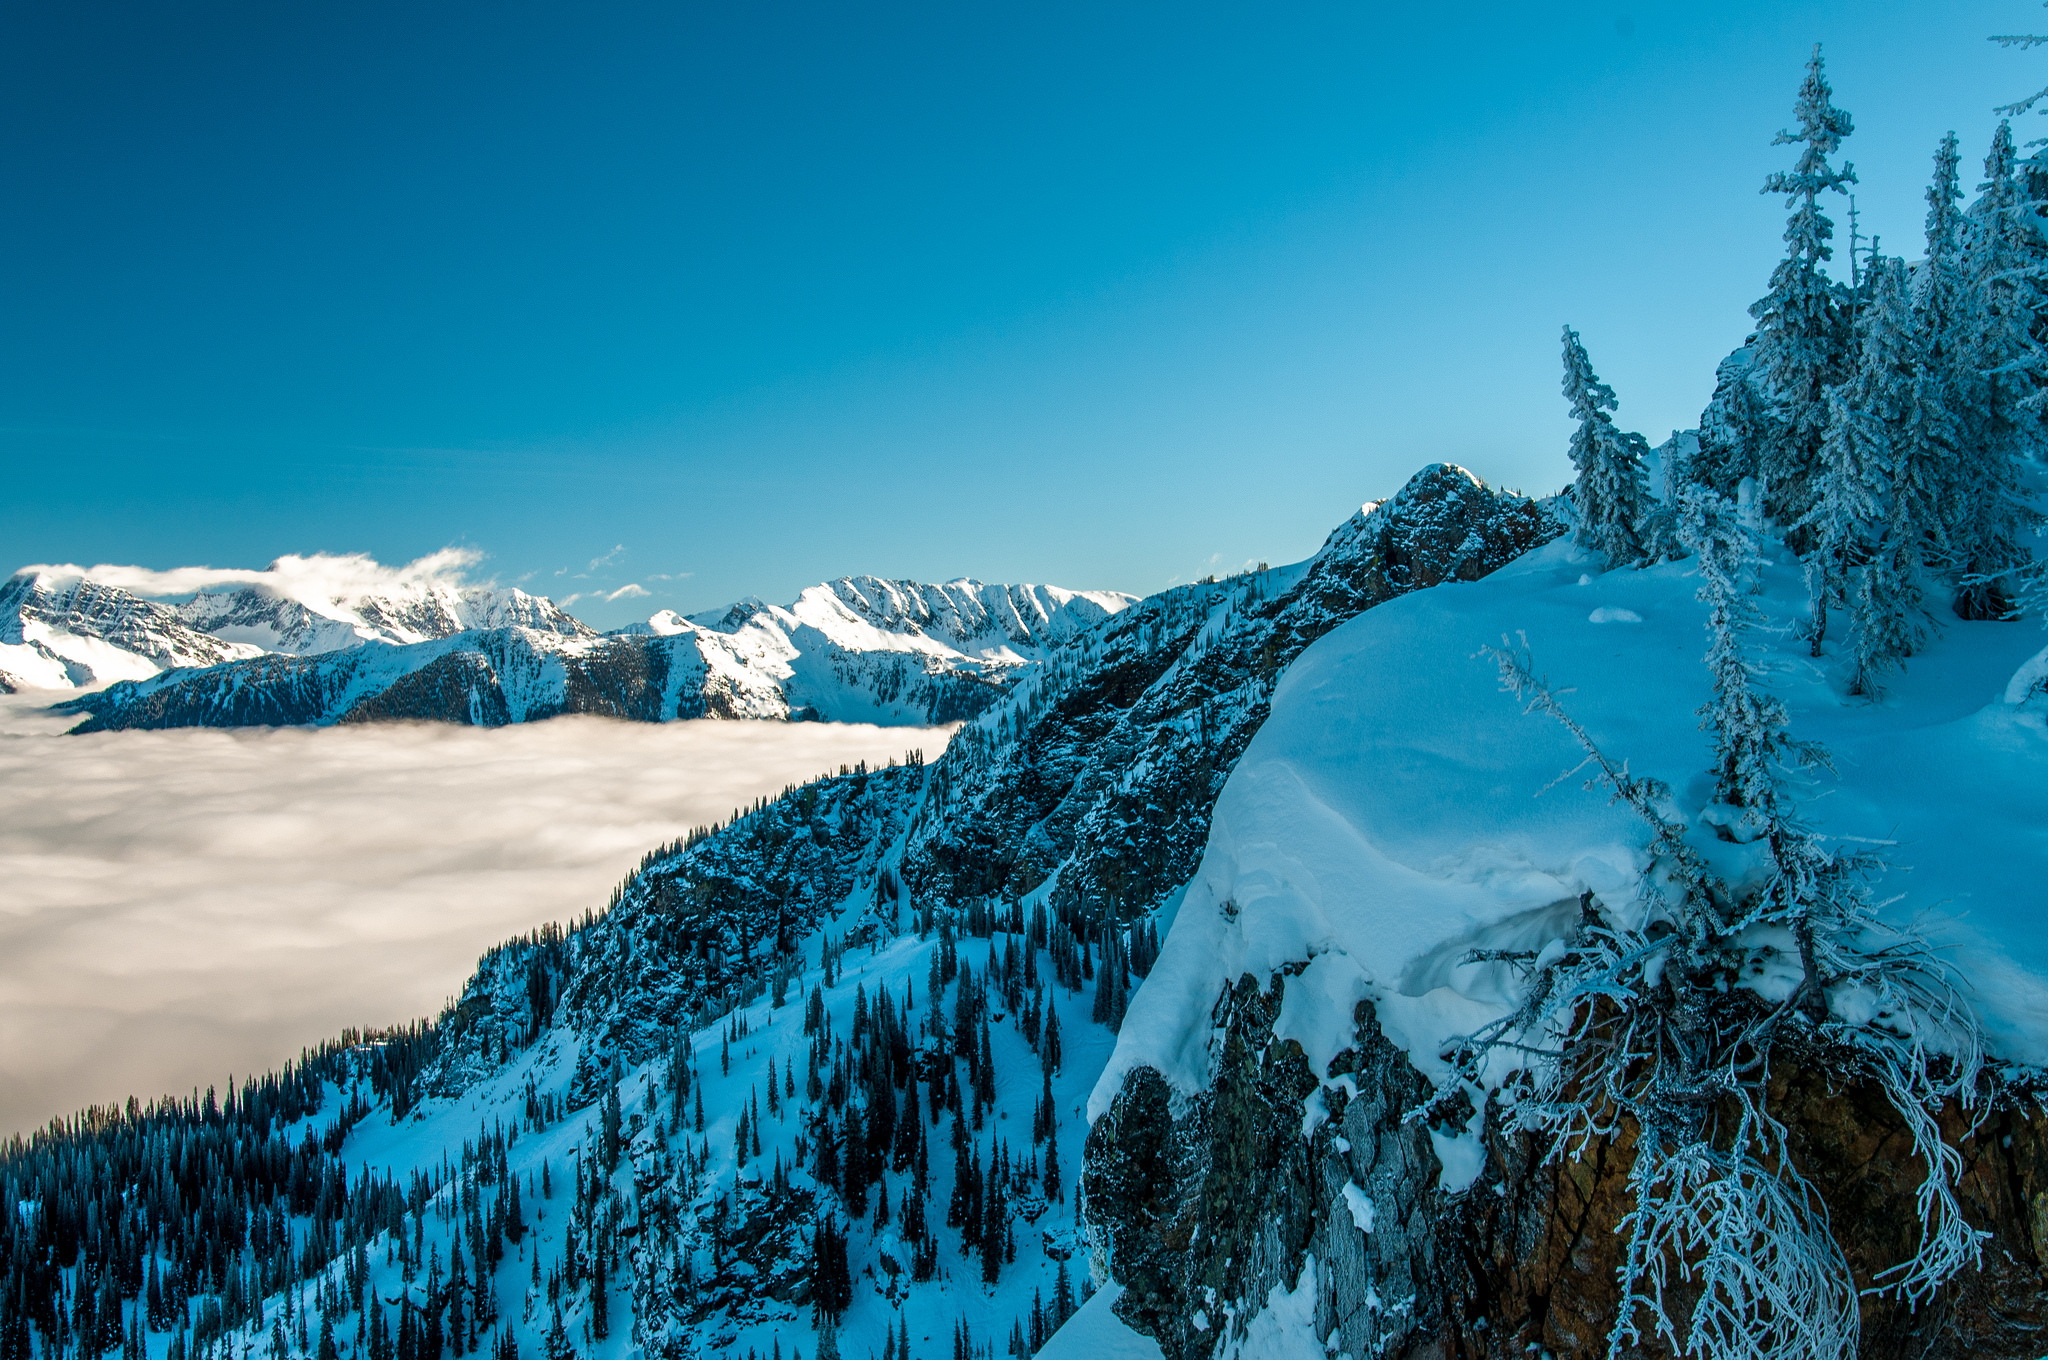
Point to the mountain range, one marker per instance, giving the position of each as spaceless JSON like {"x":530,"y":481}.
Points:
{"x":1170,"y":1011}
{"x":858,"y":649}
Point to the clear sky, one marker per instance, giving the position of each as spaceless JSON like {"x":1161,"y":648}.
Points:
{"x":726,"y":299}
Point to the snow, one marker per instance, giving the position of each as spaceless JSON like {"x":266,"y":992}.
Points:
{"x":1096,"y":1333}
{"x":1398,"y":810}
{"x":1285,"y":1329}
{"x":438,"y":1128}
{"x":1360,"y":1204}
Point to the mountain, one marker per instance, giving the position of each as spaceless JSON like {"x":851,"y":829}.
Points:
{"x":1299,"y":1140}
{"x":819,"y":1072}
{"x":404,"y":612}
{"x":1161,"y":978}
{"x":854,"y":650}
{"x":61,"y":631}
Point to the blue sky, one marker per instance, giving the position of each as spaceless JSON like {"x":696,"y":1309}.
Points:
{"x":729,"y":299}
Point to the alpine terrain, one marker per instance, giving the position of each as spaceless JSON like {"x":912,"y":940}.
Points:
{"x":857,"y":649}
{"x":1597,"y":925}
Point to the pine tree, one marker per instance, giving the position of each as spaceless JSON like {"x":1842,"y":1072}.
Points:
{"x":1748,"y":725}
{"x":831,"y":1279}
{"x":1612,"y":491}
{"x":1063,"y":1304}
{"x":1803,"y":336}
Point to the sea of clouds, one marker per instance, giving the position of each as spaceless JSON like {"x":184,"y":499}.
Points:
{"x":179,"y":906}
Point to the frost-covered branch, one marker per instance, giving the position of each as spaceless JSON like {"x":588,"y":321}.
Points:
{"x":1646,"y":1031}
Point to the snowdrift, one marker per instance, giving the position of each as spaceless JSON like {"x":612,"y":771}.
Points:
{"x":1399,"y":810}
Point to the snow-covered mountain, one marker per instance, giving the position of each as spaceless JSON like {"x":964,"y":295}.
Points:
{"x":63,"y":631}
{"x":995,"y":623}
{"x":272,"y":621}
{"x":63,"y":628}
{"x":1264,"y":848}
{"x":925,"y":963}
{"x":854,"y":650}
{"x":1403,"y":842}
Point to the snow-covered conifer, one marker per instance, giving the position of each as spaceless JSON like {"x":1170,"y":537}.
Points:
{"x":1864,"y":547}
{"x":1748,"y":724}
{"x":2001,"y":422}
{"x":1612,"y":493}
{"x":1803,"y":335}
{"x":1735,"y":425}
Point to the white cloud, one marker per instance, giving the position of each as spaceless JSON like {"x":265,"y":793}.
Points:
{"x":184,"y":904}
{"x":632,"y":590}
{"x":316,"y":580}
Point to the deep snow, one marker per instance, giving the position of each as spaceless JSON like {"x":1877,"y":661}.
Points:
{"x":1398,"y":808}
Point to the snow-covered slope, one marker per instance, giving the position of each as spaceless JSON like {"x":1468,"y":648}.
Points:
{"x":866,"y":613}
{"x":63,"y":631}
{"x":62,"y":628}
{"x":1397,"y":812}
{"x":855,"y":650}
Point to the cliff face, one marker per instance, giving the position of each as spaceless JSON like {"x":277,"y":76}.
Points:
{"x":1210,"y":1217}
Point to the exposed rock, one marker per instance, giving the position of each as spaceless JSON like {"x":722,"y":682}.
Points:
{"x":1212,"y":1208}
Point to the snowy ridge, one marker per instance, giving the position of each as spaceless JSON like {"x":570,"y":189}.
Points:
{"x":1398,"y":812}
{"x":947,"y":945}
{"x":858,"y":650}
{"x":61,"y":631}
{"x":66,"y":628}
{"x":1429,"y":848}
{"x":275,"y":622}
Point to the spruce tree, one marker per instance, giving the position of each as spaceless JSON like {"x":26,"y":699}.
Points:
{"x":1932,"y":474}
{"x":1612,"y":492}
{"x":2001,"y":424}
{"x":1803,"y":337}
{"x":1864,"y":548}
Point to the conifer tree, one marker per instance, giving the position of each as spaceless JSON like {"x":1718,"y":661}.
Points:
{"x":1941,"y":288}
{"x":1747,"y":723}
{"x":2001,"y":424}
{"x":1865,"y":549}
{"x":1612,"y":492}
{"x":1803,"y":336}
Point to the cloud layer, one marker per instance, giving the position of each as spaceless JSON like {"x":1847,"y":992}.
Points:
{"x":185,"y":904}
{"x":315,"y":580}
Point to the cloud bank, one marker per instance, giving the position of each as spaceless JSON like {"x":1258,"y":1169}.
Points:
{"x":182,"y":905}
{"x":315,"y":580}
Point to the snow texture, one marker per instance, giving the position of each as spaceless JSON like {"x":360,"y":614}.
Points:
{"x":1397,"y":810}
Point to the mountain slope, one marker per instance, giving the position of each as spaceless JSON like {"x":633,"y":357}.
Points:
{"x":62,"y":629}
{"x":944,"y":915}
